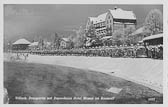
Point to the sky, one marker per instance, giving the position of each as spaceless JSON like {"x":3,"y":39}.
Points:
{"x":20,"y":19}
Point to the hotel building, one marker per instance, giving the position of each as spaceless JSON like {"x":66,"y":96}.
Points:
{"x":105,"y":24}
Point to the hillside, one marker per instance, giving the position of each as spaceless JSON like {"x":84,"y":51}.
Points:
{"x":41,"y":80}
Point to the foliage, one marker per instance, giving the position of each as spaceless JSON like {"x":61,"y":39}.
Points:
{"x":121,"y":36}
{"x":56,"y":40}
{"x":127,"y":32}
{"x":80,"y":39}
{"x":41,"y":43}
{"x":154,"y":22}
{"x":91,"y":32}
{"x":118,"y":36}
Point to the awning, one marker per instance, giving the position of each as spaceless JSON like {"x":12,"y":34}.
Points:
{"x":140,"y":41}
{"x":153,"y":37}
{"x":106,"y":37}
{"x":34,"y":44}
{"x":138,"y":31}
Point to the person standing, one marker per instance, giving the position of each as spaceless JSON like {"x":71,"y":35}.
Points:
{"x":147,"y":50}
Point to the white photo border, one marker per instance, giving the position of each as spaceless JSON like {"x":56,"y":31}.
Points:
{"x":165,"y":41}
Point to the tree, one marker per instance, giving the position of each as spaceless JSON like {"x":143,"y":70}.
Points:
{"x":56,"y":40}
{"x":154,"y":22}
{"x":41,"y":43}
{"x":72,"y":37}
{"x":118,"y":36}
{"x":91,"y":31}
{"x":80,"y":39}
{"x":127,"y":32}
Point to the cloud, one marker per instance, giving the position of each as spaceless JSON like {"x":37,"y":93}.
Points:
{"x":11,"y":10}
{"x":8,"y":10}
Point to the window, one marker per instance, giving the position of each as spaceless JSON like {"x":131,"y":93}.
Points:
{"x":104,"y":24}
{"x":109,"y":17}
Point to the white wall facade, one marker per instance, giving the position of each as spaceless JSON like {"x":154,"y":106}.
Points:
{"x":107,"y":25}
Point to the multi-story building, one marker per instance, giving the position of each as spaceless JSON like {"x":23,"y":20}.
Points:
{"x":105,"y":24}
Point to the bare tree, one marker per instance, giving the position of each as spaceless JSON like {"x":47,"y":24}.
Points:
{"x":154,"y":22}
{"x":41,"y":43}
{"x":127,"y":32}
{"x":118,"y":36}
{"x":80,"y":39}
{"x":91,"y":32}
{"x":56,"y":40}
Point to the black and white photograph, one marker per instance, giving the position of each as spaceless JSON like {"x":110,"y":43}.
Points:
{"x":83,"y":54}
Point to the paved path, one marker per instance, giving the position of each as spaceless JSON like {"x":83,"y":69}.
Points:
{"x":148,"y":72}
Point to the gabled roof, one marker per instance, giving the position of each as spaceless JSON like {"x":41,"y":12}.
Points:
{"x":65,"y":39}
{"x":22,"y":41}
{"x":34,"y":44}
{"x":48,"y":43}
{"x":101,"y":17}
{"x":153,"y":37}
{"x":118,"y":13}
{"x":138,"y":31}
{"x":93,"y":19}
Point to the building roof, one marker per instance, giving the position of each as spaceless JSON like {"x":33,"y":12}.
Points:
{"x":138,"y":31}
{"x":101,"y":17}
{"x":119,"y":13}
{"x":22,"y":41}
{"x":48,"y":43}
{"x":66,"y":39}
{"x":153,"y":37}
{"x":93,"y":19}
{"x":34,"y":44}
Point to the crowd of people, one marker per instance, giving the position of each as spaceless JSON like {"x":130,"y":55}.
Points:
{"x":113,"y":51}
{"x":155,"y":51}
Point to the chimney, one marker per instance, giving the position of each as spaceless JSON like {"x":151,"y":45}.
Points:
{"x":115,"y":8}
